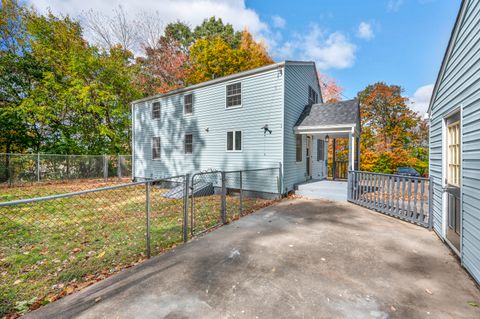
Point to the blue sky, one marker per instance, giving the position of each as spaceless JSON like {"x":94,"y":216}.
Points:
{"x":356,"y":42}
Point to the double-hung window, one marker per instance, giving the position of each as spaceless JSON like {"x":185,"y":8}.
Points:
{"x":234,"y":95}
{"x":155,"y":147}
{"x":298,"y":148}
{"x":234,"y":141}
{"x":188,"y":143}
{"x":188,"y":104}
{"x":312,"y":96}
{"x":156,"y":110}
{"x":320,"y":150}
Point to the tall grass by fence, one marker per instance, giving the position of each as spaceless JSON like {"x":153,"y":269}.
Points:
{"x":27,"y":168}
{"x":61,"y":242}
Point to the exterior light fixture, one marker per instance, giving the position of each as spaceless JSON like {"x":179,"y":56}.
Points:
{"x":327,"y":138}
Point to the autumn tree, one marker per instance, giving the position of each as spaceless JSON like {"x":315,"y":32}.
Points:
{"x":215,"y":28}
{"x":392,"y":134}
{"x":331,"y":91}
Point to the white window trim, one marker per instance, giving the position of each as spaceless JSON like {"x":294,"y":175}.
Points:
{"x":226,"y":141}
{"x":241,"y":97}
{"x":159,"y":149}
{"x":151,"y":113}
{"x":184,"y":145}
{"x":185,"y":113}
{"x":301,"y":161}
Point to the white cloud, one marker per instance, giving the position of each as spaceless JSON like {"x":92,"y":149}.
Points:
{"x":365,"y":31}
{"x":278,"y":22}
{"x":328,"y":50}
{"x":192,"y":12}
{"x":421,"y":99}
{"x":394,"y":5}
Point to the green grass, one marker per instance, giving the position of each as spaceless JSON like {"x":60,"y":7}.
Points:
{"x":49,"y":249}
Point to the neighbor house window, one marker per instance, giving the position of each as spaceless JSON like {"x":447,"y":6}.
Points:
{"x":234,"y":95}
{"x":234,"y":141}
{"x":188,"y":104}
{"x":320,"y":150}
{"x":453,"y":175}
{"x":156,"y":109}
{"x":298,"y":148}
{"x":155,"y":147}
{"x":312,"y":96}
{"x":188,"y":144}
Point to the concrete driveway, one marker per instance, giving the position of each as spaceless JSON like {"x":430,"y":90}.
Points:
{"x":297,"y":259}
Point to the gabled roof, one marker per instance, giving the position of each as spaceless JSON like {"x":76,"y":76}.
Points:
{"x":233,"y":77}
{"x":451,"y":42}
{"x":330,"y":114}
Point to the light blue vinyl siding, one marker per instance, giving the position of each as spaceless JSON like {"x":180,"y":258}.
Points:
{"x":459,"y":87}
{"x":262,"y":103}
{"x":297,"y":80}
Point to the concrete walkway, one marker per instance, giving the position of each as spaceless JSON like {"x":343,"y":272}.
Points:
{"x":323,"y":189}
{"x":297,"y":259}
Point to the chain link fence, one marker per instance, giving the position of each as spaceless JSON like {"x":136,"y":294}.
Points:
{"x":16,"y":169}
{"x":53,"y":245}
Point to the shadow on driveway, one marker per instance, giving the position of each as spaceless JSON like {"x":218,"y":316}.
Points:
{"x":299,"y":258}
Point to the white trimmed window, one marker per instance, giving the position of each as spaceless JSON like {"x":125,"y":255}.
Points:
{"x":155,"y":147}
{"x":234,"y":95}
{"x":188,"y":104}
{"x":453,"y":175}
{"x":298,"y":148}
{"x":234,"y":141}
{"x":188,"y":144}
{"x":156,"y":110}
{"x":312,"y":96}
{"x":320,"y":150}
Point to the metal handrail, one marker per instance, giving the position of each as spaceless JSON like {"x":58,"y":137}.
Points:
{"x":392,"y":175}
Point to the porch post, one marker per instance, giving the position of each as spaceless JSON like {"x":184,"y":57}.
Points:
{"x":351,"y":151}
{"x":357,"y":167}
{"x":334,"y":162}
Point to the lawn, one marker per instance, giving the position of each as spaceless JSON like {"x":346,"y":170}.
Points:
{"x":52,"y":248}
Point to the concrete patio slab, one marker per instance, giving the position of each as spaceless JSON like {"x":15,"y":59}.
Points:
{"x":297,"y":259}
{"x":323,"y":189}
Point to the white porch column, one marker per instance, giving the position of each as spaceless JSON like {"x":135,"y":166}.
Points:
{"x":351,"y":151}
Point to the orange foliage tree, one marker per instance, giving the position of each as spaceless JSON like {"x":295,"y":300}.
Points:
{"x":392,"y":134}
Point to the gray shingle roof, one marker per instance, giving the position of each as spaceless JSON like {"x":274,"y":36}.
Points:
{"x":335,"y":113}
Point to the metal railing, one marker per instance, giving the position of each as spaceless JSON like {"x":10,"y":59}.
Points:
{"x":28,"y":168}
{"x":404,"y":197}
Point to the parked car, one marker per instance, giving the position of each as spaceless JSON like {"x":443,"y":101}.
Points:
{"x":408,"y":171}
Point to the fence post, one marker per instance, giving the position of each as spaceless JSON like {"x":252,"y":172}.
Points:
{"x":241,"y":194}
{"x":186,"y":178}
{"x":105,"y":167}
{"x":38,"y":167}
{"x":223,"y":212}
{"x":349,"y":186}
{"x":430,"y":203}
{"x":119,"y":166}
{"x":148,"y":207}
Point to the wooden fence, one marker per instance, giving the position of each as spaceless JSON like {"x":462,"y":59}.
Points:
{"x":404,"y":197}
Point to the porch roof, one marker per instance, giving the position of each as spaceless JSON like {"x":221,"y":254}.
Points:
{"x":335,"y":117}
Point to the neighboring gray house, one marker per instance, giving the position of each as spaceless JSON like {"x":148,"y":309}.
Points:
{"x":254,"y":119}
{"x":455,"y":140}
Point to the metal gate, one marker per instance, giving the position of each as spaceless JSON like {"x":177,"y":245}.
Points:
{"x":404,"y":197}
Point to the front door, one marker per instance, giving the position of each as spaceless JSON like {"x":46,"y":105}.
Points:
{"x":453,"y":180}
{"x":309,"y":157}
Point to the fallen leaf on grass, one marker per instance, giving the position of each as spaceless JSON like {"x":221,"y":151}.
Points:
{"x":428,"y":291}
{"x":101,"y":254}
